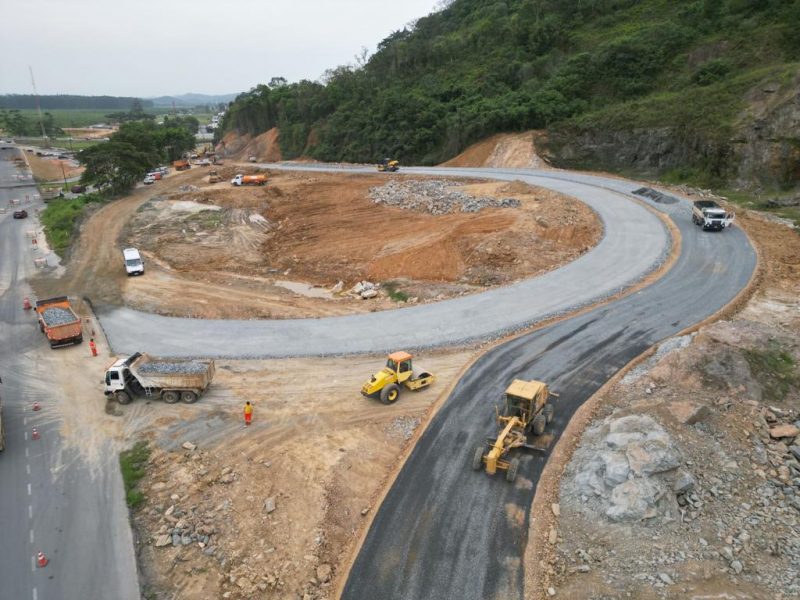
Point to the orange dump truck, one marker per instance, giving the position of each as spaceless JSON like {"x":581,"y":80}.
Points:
{"x":181,"y":165}
{"x":249,"y":180}
{"x":59,"y":322}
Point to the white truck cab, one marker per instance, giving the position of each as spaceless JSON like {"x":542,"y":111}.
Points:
{"x":133,"y":261}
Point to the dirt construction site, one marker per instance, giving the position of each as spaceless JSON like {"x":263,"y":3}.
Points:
{"x":278,"y":509}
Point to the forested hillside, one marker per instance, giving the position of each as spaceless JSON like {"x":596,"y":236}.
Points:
{"x":645,"y":85}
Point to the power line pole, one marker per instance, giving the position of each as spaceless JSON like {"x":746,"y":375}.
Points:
{"x":38,"y":107}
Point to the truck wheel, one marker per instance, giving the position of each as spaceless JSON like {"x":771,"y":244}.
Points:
{"x":548,"y":411}
{"x":170,"y":397}
{"x":79,"y":339}
{"x":123,"y":397}
{"x":538,"y":424}
{"x":477,"y":459}
{"x":189,"y":397}
{"x":511,"y":473}
{"x":390,"y":393}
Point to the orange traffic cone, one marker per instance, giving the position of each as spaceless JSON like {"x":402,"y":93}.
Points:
{"x":36,"y":406}
{"x":41,"y":559}
{"x":35,"y":434}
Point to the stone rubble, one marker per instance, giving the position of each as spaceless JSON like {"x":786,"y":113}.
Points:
{"x":57,"y":316}
{"x":166,"y":368}
{"x":437,"y":197}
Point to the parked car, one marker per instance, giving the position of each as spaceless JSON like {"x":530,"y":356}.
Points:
{"x":148,"y":179}
{"x":77,"y":189}
{"x":134,"y":264}
{"x":162,"y":170}
{"x":20,"y":214}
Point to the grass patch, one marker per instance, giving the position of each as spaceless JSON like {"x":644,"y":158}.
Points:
{"x":60,"y":220}
{"x":394,"y":293}
{"x":775,"y":369}
{"x":132,"y":463}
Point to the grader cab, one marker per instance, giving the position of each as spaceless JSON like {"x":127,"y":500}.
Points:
{"x":528,"y":409}
{"x":398,"y":371}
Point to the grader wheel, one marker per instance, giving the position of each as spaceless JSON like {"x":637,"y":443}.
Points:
{"x":513,"y":467}
{"x":548,"y":413}
{"x":390,"y":393}
{"x":539,"y":423}
{"x":477,"y":459}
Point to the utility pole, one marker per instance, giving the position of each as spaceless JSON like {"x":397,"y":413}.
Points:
{"x":38,"y":108}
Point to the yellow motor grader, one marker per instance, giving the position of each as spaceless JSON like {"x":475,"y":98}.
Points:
{"x":528,"y":409}
{"x":398,"y":371}
{"x":387,"y":164}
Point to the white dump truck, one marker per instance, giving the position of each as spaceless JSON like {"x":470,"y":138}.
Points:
{"x":168,"y":379}
{"x":711,"y":216}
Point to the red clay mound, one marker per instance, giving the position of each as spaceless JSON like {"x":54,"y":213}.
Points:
{"x":516,"y":150}
{"x":264,"y":147}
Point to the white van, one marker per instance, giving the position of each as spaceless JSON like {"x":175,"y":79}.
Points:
{"x":133,"y":261}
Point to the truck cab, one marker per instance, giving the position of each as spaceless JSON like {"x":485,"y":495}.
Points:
{"x":710,"y":216}
{"x":133,"y":261}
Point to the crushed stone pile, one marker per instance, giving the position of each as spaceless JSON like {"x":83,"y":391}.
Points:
{"x":169,"y":368}
{"x":434,"y":197}
{"x":57,"y":316}
{"x":627,"y":470}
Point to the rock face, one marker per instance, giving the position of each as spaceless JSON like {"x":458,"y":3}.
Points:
{"x":760,"y":149}
{"x":624,"y":470}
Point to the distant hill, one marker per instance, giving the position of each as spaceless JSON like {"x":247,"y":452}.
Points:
{"x":192,"y":99}
{"x":68,"y":101}
{"x":705,"y":90}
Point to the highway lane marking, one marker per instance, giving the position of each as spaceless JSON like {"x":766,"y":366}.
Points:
{"x":35,"y":594}
{"x":26,"y":436}
{"x":33,"y":564}
{"x":26,"y":452}
{"x":29,"y":489}
{"x":31,"y":535}
{"x":30,"y":511}
{"x":28,"y":469}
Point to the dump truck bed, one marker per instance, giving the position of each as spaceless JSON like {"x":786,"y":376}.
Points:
{"x":173,"y":374}
{"x":59,"y":322}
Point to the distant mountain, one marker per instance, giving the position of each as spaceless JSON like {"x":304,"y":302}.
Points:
{"x":192,"y":99}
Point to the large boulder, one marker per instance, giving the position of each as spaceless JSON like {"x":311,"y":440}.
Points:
{"x":634,"y":500}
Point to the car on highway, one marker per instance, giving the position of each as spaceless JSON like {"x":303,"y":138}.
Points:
{"x":20,"y":214}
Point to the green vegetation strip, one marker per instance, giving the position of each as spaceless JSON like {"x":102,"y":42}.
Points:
{"x":775,"y":370}
{"x":60,"y":220}
{"x":132,"y":464}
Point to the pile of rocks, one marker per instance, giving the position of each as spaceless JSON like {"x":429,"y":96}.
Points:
{"x":57,"y":316}
{"x":627,"y":470}
{"x":436,"y":197}
{"x":365,"y":290}
{"x":166,"y":368}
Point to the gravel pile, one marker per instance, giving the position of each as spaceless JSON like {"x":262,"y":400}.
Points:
{"x":169,"y":368}
{"x":434,"y":197}
{"x":57,"y":316}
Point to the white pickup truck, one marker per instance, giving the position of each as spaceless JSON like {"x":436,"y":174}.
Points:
{"x":711,"y":216}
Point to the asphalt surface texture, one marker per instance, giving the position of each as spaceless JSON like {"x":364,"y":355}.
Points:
{"x":634,"y":243}
{"x":445,"y":531}
{"x":51,"y":501}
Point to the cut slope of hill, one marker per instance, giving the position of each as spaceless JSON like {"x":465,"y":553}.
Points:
{"x":513,"y":150}
{"x":677,"y":81}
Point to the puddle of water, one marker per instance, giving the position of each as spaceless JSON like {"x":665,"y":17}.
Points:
{"x":304,"y":289}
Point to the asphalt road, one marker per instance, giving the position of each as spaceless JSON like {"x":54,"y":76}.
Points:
{"x":50,"y":500}
{"x":634,"y":243}
{"x":445,"y":531}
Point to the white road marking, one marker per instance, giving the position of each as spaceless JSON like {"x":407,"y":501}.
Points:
{"x":30,"y":511}
{"x":33,"y":564}
{"x":26,"y":436}
{"x":28,"y":469}
{"x":31,"y":535}
{"x":35,"y":594}
{"x":26,"y":453}
{"x":29,"y":489}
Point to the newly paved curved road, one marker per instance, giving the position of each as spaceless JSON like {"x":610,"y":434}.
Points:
{"x":50,"y":499}
{"x":447,"y":532}
{"x":634,"y":243}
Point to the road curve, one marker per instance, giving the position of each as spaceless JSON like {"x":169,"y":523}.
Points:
{"x":446,"y":532}
{"x":50,"y":499}
{"x":634,"y":243}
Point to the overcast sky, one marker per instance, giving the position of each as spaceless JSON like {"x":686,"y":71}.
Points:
{"x":153,"y":48}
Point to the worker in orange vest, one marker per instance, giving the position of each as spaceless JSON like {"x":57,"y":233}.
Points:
{"x":248,"y":412}
{"x":93,"y":347}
